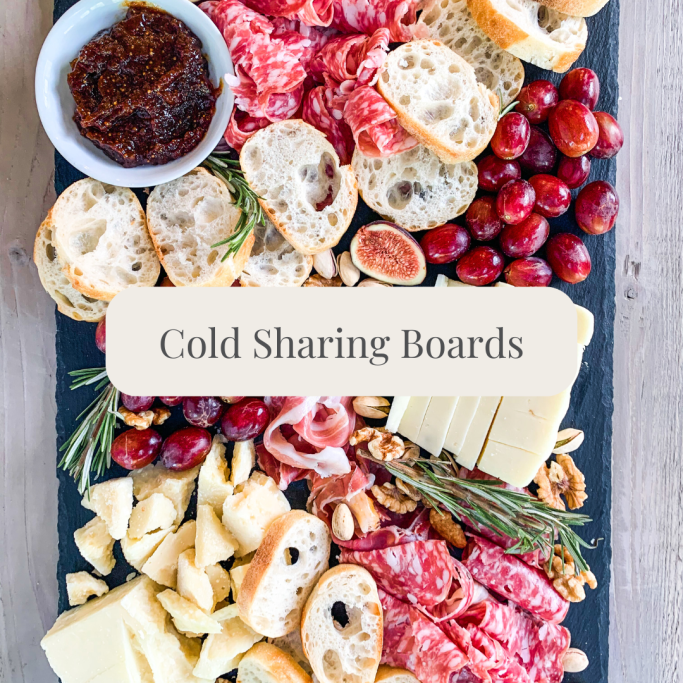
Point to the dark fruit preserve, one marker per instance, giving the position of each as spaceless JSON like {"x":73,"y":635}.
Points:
{"x":142,"y":89}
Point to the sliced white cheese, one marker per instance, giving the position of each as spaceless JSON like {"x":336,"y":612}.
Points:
{"x":512,"y":465}
{"x":478,"y":431}
{"x":460,"y":423}
{"x":396,"y":412}
{"x":162,"y":566}
{"x":436,"y":422}
{"x":411,"y":423}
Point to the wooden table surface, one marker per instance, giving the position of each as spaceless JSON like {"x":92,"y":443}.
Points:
{"x":646,"y":632}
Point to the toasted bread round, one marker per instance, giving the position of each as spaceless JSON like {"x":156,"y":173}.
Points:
{"x":415,"y":189}
{"x":390,"y":674}
{"x":451,"y":22}
{"x":265,"y":663}
{"x":310,"y":198}
{"x":69,"y":301}
{"x":576,"y":8}
{"x":437,"y":99}
{"x":531,"y":31}
{"x":101,"y":237}
{"x":350,"y":652}
{"x":277,"y":583}
{"x":274,"y":262}
{"x":185,"y":217}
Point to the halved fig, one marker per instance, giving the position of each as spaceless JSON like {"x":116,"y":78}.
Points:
{"x":388,"y":253}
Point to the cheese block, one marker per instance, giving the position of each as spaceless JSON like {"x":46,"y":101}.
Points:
{"x":111,"y":501}
{"x":96,"y":545}
{"x":436,"y":422}
{"x":478,"y":431}
{"x":151,"y":514}
{"x":585,"y":325}
{"x":138,"y":550}
{"x":162,"y":566}
{"x":412,"y":419}
{"x":220,"y":582}
{"x":186,"y":616}
{"x":80,"y":586}
{"x":214,"y":543}
{"x":243,"y":461}
{"x":396,"y":412}
{"x":512,"y":465}
{"x":237,"y":575}
{"x":213,"y":482}
{"x":460,"y":423}
{"x":193,"y":582}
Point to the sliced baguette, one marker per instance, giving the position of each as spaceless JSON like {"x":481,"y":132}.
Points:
{"x":274,"y":589}
{"x":69,"y":301}
{"x":274,"y":262}
{"x":187,"y":216}
{"x":451,"y":22}
{"x":390,"y":674}
{"x":265,"y":663}
{"x":415,"y":189}
{"x":437,"y":99}
{"x":294,"y":168}
{"x":576,"y":8}
{"x":532,"y":31}
{"x":350,"y":653}
{"x":101,"y":237}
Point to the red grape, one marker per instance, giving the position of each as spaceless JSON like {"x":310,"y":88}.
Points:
{"x":171,"y":400}
{"x":581,"y":85}
{"x":537,"y":100}
{"x":231,"y":399}
{"x":101,"y":335}
{"x":528,"y":272}
{"x":494,"y":172}
{"x":481,"y":266}
{"x":445,"y":244}
{"x":186,"y":448}
{"x":482,"y":219}
{"x":511,"y":136}
{"x":574,"y":171}
{"x":597,"y":208}
{"x":245,"y":420}
{"x":135,"y":448}
{"x":610,"y":138}
{"x":568,"y":257}
{"x":202,"y":411}
{"x":540,"y":155}
{"x":552,"y":195}
{"x":573,"y":128}
{"x":525,"y":238}
{"x":515,"y":201}
{"x":137,"y":403}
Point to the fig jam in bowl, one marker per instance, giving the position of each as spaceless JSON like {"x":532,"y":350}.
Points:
{"x":171,"y":115}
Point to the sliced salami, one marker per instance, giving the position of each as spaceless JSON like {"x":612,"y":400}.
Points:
{"x":310,"y":12}
{"x":366,"y":16}
{"x":374,"y":125}
{"x":319,"y":111}
{"x":509,"y":577}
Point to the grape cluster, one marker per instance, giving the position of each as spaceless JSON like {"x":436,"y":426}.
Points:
{"x":530,"y":174}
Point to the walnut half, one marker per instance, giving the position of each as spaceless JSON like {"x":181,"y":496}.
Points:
{"x":561,"y":478}
{"x":566,"y":581}
{"x":393,"y":499}
{"x":382,"y":445}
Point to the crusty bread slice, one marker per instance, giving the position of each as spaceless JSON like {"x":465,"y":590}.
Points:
{"x":185,"y":217}
{"x":532,"y":31}
{"x":265,"y":663}
{"x":437,"y":99}
{"x":415,"y":189}
{"x":277,"y":583}
{"x":576,"y":8}
{"x":274,"y":262}
{"x":451,"y":22}
{"x":350,"y":652}
{"x":309,"y":197}
{"x":390,"y":674}
{"x":101,"y":237}
{"x":69,"y":300}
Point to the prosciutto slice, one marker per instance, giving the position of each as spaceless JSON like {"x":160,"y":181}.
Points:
{"x":366,"y":16}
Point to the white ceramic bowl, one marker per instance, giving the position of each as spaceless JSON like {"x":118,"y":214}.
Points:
{"x":56,"y":106}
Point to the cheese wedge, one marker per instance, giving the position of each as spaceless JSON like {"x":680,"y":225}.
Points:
{"x":460,"y":423}
{"x":478,"y":431}
{"x":411,"y":423}
{"x":396,"y":412}
{"x":436,"y":422}
{"x":512,"y":465}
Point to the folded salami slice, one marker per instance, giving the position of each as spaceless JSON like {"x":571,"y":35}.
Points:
{"x":374,"y":125}
{"x":320,"y":112}
{"x":310,"y":12}
{"x":366,"y":16}
{"x":241,"y":127}
{"x":509,"y":577}
{"x":413,"y":642}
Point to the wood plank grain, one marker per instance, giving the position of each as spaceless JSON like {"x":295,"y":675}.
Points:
{"x":646,"y":639}
{"x":28,"y":486}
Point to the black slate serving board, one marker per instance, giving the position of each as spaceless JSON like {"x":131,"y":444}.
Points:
{"x":591,"y":405}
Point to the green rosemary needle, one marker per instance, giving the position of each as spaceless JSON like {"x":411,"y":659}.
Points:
{"x":229,"y":171}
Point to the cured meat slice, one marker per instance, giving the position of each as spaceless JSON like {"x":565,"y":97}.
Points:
{"x":321,"y":114}
{"x":366,"y":16}
{"x":548,"y":643}
{"x":310,"y":12}
{"x":374,"y":125}
{"x":241,"y":127}
{"x":330,"y":425}
{"x":413,"y":642}
{"x":419,"y":530}
{"x":302,"y":40}
{"x":509,"y":577}
{"x":282,"y":474}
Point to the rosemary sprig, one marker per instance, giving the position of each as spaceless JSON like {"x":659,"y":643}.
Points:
{"x":87,"y":451}
{"x":229,"y":171}
{"x":485,"y":504}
